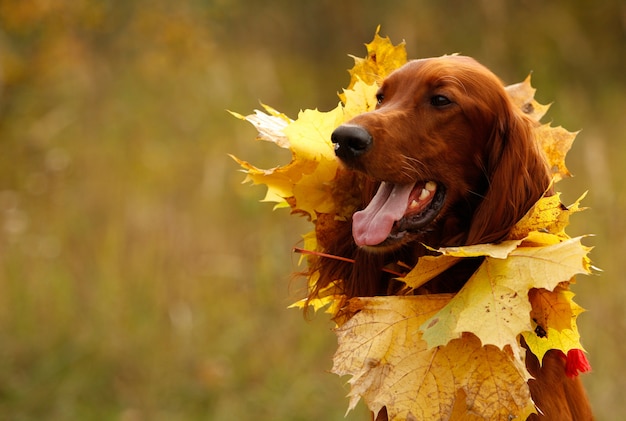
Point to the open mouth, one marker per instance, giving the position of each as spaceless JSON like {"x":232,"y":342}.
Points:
{"x":395,"y":210}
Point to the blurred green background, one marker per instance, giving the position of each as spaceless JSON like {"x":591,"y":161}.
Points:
{"x":139,"y":280}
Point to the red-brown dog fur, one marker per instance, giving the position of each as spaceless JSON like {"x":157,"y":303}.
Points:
{"x":481,"y":148}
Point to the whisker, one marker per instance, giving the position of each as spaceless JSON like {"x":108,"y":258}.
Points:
{"x":412,"y":166}
{"x":471,"y":192}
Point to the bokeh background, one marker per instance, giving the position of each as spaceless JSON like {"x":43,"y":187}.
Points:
{"x":139,"y":280}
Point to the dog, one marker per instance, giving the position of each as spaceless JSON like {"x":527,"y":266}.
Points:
{"x":444,"y":160}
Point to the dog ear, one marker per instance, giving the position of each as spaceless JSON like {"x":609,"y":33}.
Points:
{"x":518,"y":176}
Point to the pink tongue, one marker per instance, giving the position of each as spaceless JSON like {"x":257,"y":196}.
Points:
{"x":373,"y":224}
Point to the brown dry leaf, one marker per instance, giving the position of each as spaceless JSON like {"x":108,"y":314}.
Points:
{"x":382,"y":348}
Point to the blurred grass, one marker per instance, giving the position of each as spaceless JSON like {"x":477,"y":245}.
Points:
{"x":140,"y":281}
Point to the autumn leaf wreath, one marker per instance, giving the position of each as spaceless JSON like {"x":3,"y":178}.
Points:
{"x":447,"y":347}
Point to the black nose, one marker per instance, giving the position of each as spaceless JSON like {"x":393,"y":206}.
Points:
{"x":351,"y":141}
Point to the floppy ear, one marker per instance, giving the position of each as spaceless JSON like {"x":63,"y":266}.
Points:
{"x":518,"y":176}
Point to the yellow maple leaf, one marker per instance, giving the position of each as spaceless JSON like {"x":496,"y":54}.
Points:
{"x":382,"y":348}
{"x":309,"y":135}
{"x":500,"y":250}
{"x":494,"y":305}
{"x":307,"y":177}
{"x":554,"y":313}
{"x":313,"y":193}
{"x":427,"y":268}
{"x":430,"y":266}
{"x":329,"y":298}
{"x":554,"y":309}
{"x":382,"y":58}
{"x":548,"y":215}
{"x":563,"y":340}
{"x":361,"y":98}
{"x":523,"y":96}
{"x":554,"y":141}
{"x":270,"y":125}
{"x":309,"y":243}
{"x":306,"y":183}
{"x":279,"y":180}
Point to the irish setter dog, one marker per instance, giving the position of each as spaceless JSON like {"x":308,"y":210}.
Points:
{"x":445,"y":159}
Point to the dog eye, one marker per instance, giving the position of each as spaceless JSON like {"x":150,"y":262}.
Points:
{"x":440,"y":101}
{"x":380,"y":98}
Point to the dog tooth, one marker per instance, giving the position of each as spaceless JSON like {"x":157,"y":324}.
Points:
{"x":431,"y":186}
{"x":413,"y":204}
{"x":424,"y":194}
